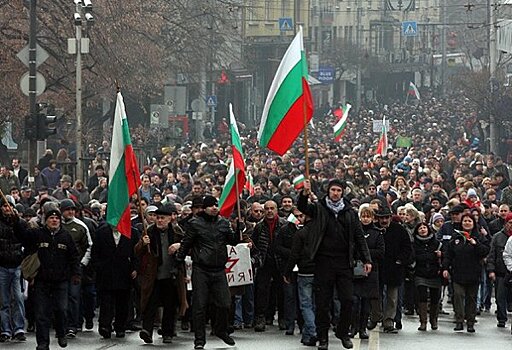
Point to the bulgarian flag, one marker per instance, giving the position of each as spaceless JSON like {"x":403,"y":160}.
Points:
{"x":413,"y":90}
{"x":124,"y":173}
{"x":382,"y":146}
{"x":298,"y":182}
{"x":249,"y":184}
{"x":236,"y":172}
{"x":339,"y":128}
{"x":289,"y":105}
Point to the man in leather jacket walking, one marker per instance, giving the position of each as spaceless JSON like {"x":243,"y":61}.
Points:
{"x":207,"y":236}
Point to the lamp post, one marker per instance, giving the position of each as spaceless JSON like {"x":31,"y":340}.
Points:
{"x":79,"y":46}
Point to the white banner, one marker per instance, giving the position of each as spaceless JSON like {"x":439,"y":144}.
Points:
{"x":238,"y":267}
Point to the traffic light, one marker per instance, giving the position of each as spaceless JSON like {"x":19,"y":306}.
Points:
{"x":45,"y":121}
{"x":31,"y":127}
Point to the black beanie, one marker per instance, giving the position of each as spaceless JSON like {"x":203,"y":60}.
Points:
{"x":209,"y":201}
{"x":336,"y":182}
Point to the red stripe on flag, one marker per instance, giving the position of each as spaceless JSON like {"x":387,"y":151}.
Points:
{"x":133,"y":181}
{"x":124,"y":226}
{"x":293,"y":122}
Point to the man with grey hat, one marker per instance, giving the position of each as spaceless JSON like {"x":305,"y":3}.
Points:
{"x":158,"y":274}
{"x":65,"y":190}
{"x":59,"y":264}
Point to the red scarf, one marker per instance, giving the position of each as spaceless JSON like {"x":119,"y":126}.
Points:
{"x":272,"y":223}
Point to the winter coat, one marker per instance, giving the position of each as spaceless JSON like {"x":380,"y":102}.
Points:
{"x":425,"y":253}
{"x":495,"y":261}
{"x":150,"y":259}
{"x":299,"y":254}
{"x":369,"y":287}
{"x":263,"y":244}
{"x":113,"y":264}
{"x":208,"y":237}
{"x":11,"y":253}
{"x":398,"y":254}
{"x":283,"y":245}
{"x":347,"y":217}
{"x":56,"y":251}
{"x":464,"y":260}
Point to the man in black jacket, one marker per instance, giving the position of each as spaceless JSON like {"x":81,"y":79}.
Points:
{"x":113,"y":259}
{"x":207,"y":236}
{"x":12,"y":310}
{"x":60,"y":263}
{"x":497,"y":269}
{"x":299,"y":255}
{"x":336,"y":233}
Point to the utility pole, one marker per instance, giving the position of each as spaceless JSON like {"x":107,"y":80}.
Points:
{"x":360,"y":46}
{"x":492,"y":74}
{"x":32,"y":49}
{"x":78,"y":93}
{"x":443,"y":48}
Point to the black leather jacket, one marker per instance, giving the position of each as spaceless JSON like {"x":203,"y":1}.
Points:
{"x":207,"y":237}
{"x":10,"y":246}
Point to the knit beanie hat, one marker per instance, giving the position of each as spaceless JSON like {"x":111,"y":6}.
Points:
{"x":472,"y":193}
{"x":209,"y":201}
{"x":436,"y":217}
{"x":336,"y":182}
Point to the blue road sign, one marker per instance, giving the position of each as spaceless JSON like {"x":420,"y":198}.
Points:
{"x":285,"y":24}
{"x":410,"y":28}
{"x":325,"y":74}
{"x":211,"y":101}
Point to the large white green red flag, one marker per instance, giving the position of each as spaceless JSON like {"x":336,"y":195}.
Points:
{"x":289,"y":105}
{"x":236,"y":172}
{"x":124,"y":173}
{"x":341,"y":125}
{"x":382,"y":146}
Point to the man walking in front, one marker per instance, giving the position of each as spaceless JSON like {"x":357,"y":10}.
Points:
{"x":335,"y":233}
{"x":207,"y":237}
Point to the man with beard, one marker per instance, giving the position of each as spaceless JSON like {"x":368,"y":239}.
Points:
{"x":207,"y":236}
{"x":336,"y":234}
{"x":286,"y":206}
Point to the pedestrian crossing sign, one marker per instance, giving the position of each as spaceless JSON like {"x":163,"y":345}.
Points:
{"x":409,"y":28}
{"x":285,"y":24}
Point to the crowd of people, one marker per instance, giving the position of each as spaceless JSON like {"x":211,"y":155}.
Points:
{"x":365,"y":239}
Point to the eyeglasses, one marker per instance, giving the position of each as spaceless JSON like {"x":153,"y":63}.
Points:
{"x":258,"y":211}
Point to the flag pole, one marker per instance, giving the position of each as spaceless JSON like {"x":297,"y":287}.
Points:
{"x":239,"y":212}
{"x":306,"y":152}
{"x":5,"y":200}
{"x":406,"y":97}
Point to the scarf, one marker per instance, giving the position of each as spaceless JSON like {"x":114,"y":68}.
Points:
{"x":336,"y":207}
{"x":426,"y":238}
{"x":272,"y":223}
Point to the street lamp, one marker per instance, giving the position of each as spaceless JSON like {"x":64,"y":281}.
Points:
{"x":78,"y":46}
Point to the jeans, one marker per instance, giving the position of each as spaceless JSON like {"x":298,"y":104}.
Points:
{"x":290,"y":303}
{"x":12,"y":307}
{"x":484,"y":291}
{"x":400,"y":303}
{"x":501,"y":299}
{"x":73,"y":313}
{"x":245,"y":306}
{"x":307,"y":306}
{"x":51,"y":298}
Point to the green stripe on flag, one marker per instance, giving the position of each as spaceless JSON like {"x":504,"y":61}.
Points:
{"x":118,"y":194}
{"x":289,"y":91}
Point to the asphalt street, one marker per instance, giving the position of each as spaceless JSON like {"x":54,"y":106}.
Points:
{"x":487,"y":336}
